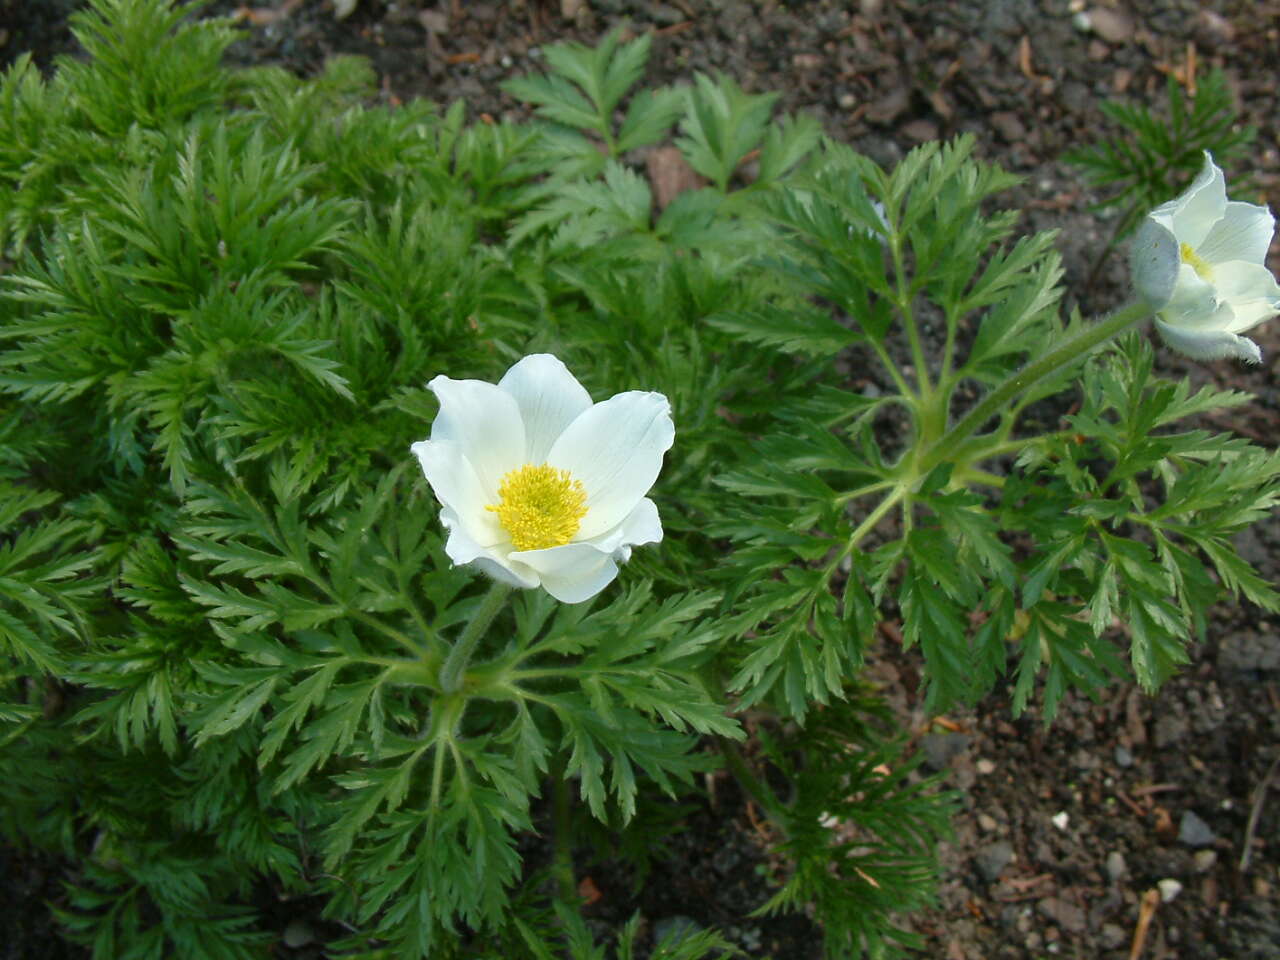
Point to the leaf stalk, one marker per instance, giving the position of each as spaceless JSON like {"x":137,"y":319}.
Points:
{"x":455,"y":665}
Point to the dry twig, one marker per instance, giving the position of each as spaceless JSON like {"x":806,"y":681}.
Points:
{"x":1255,"y":813}
{"x":1146,"y":910}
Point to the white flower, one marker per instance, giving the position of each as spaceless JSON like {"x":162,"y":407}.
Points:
{"x":1200,"y":260}
{"x":537,"y":485}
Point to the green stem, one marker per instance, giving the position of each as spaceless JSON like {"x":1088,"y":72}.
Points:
{"x":1014,"y":446}
{"x":864,"y":491}
{"x":1061,"y":356}
{"x":875,"y":516}
{"x":909,"y":321}
{"x":948,"y":351}
{"x":562,"y":862}
{"x":891,"y":368}
{"x":973,"y":475}
{"x":455,"y":665}
{"x":756,"y":788}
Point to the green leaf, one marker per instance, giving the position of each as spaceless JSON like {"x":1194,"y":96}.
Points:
{"x":721,"y":126}
{"x":809,"y":331}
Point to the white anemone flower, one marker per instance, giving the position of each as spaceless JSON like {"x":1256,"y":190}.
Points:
{"x":538,"y":486}
{"x":1200,"y":261}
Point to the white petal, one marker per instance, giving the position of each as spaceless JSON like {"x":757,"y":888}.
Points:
{"x":1209,"y":344}
{"x":1243,"y":233}
{"x":549,"y":398}
{"x":454,"y":482}
{"x":1154,"y":260}
{"x":1195,"y":303}
{"x":485,"y":423}
{"x":1250,"y":289}
{"x":1191,"y":216}
{"x":615,"y":449}
{"x":571,"y":573}
{"x":641,"y":525}
{"x":464,"y":550}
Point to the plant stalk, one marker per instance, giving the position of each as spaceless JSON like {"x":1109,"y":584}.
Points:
{"x":1073,"y":349}
{"x":562,"y":858}
{"x":756,"y":788}
{"x":455,"y":665}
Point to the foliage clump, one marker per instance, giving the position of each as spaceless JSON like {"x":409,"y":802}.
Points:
{"x":224,"y":603}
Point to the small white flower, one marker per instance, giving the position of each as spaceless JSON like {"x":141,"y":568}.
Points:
{"x":1200,"y":260}
{"x":537,"y":485}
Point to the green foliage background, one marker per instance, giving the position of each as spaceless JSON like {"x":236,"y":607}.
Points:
{"x":223,"y":597}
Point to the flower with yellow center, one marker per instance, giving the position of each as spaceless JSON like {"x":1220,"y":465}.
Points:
{"x":540,"y":507}
{"x":540,"y":487}
{"x":1200,"y":261}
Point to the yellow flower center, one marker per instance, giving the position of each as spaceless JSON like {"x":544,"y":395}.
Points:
{"x":1197,"y":262}
{"x":540,"y":506}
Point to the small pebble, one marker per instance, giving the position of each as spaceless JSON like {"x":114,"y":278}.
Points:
{"x":1169,"y":889}
{"x":1061,"y":819}
{"x":1113,"y":935}
{"x":920,"y":130}
{"x":986,"y":767}
{"x":298,"y":934}
{"x":941,"y":748}
{"x":1193,"y":831}
{"x":1116,"y":867}
{"x":1204,"y":860}
{"x":1123,"y":757}
{"x":992,"y":859}
{"x":986,"y":822}
{"x":1111,"y":25}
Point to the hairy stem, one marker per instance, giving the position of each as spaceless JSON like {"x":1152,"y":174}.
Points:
{"x":891,"y":368}
{"x":909,"y":321}
{"x":1051,"y":363}
{"x":875,"y":516}
{"x":455,"y":665}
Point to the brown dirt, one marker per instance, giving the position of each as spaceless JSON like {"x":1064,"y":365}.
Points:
{"x":1064,"y":830}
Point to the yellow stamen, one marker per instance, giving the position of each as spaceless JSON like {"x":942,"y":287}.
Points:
{"x":540,"y":506}
{"x":1197,"y":262}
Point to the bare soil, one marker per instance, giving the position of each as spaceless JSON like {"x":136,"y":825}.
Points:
{"x":1066,"y":831}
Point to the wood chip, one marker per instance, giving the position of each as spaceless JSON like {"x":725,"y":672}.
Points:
{"x":265,"y":16}
{"x":670,"y":175}
{"x":1146,"y":910}
{"x":589,"y":892}
{"x":1024,"y":57}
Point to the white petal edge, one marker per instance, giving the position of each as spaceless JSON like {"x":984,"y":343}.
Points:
{"x":454,"y":482}
{"x":1192,"y":215}
{"x":1209,"y":344}
{"x":1195,"y":303}
{"x":465,"y":551}
{"x":1252,"y":291}
{"x":1243,"y":233}
{"x":642,"y":525}
{"x":571,"y":573}
{"x":485,"y":423}
{"x":549,"y":398}
{"x":1154,"y":260}
{"x":615,"y":449}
